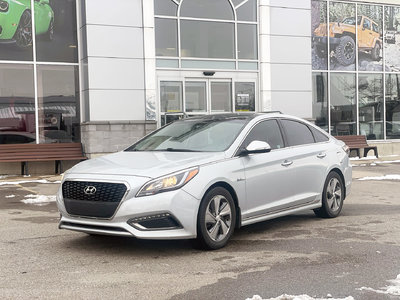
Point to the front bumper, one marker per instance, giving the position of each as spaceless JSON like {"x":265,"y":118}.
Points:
{"x":321,"y":41}
{"x":178,"y":205}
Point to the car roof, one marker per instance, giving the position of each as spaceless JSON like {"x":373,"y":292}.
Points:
{"x":230,"y":116}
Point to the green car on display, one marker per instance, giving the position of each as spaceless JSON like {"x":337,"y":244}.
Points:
{"x":16,"y":21}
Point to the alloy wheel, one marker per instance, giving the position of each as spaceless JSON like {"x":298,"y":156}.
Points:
{"x":334,"y":194}
{"x":218,"y":218}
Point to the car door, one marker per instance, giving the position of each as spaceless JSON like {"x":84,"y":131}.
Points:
{"x":267,"y":175}
{"x":309,"y":161}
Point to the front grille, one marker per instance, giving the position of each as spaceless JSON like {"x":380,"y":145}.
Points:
{"x":100,"y":201}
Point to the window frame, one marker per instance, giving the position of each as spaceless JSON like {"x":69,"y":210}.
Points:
{"x":237,"y":63}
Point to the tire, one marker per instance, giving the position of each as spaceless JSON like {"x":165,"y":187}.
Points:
{"x":216,"y":219}
{"x":50,"y":31}
{"x":23,"y":34}
{"x":332,"y":197}
{"x":376,"y":52}
{"x":346,"y":51}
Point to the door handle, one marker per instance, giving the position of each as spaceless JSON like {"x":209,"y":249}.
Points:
{"x":287,"y":163}
{"x":321,"y":155}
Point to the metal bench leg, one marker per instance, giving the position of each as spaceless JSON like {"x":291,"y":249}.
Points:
{"x":59,"y":168}
{"x":24,"y":168}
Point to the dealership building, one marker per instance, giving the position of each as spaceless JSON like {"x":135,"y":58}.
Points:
{"x":106,"y":73}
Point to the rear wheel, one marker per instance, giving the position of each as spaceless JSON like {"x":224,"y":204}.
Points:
{"x":376,"y":52}
{"x":216,"y":219}
{"x":332,"y":197}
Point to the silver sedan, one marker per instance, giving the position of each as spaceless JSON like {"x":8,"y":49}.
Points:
{"x":202,"y":177}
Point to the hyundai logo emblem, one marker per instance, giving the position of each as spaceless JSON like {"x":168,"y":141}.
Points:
{"x":90,"y":190}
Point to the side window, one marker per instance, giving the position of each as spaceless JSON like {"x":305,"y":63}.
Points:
{"x":367,"y":24}
{"x":266,"y":131}
{"x":318,"y":135}
{"x":297,"y":133}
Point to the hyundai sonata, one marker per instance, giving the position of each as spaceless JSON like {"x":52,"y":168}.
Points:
{"x":202,"y":177}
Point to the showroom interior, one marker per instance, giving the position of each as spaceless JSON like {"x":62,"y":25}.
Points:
{"x":106,"y":75}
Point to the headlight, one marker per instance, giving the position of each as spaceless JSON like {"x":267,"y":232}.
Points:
{"x":3,"y":6}
{"x":167,"y":183}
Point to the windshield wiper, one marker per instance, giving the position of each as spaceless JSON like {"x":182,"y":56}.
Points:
{"x":177,"y":150}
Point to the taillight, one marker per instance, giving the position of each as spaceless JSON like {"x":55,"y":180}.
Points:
{"x":346,"y":149}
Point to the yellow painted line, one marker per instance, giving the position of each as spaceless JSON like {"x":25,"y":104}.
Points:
{"x":27,"y":189}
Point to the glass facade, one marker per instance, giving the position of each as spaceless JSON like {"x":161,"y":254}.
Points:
{"x":355,"y":61}
{"x":195,"y":34}
{"x":39,"y":86}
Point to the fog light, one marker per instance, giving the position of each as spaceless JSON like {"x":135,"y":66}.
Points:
{"x":161,"y":221}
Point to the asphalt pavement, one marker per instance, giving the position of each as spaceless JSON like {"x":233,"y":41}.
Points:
{"x":354,"y":255}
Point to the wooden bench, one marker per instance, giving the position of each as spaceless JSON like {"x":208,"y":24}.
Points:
{"x":25,"y":153}
{"x":357,"y":142}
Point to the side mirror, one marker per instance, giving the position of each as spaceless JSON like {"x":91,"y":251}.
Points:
{"x":256,"y":147}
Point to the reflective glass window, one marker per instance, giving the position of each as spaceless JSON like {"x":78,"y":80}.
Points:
{"x":166,"y":31}
{"x":16,"y":31}
{"x":221,"y":96}
{"x":343,"y":104}
{"x":369,"y":38}
{"x":17,"y":104}
{"x":319,"y":19}
{"x":320,"y":100}
{"x":195,"y":96}
{"x":266,"y":131}
{"x":207,"y":9}
{"x":370,"y":105}
{"x":343,"y":47}
{"x":165,"y":8}
{"x":171,"y":96}
{"x":247,"y":12}
{"x":207,"y":39}
{"x":56,"y":31}
{"x":392,"y":38}
{"x":297,"y":133}
{"x":58,"y":98}
{"x":393,"y":106}
{"x":245,"y":96}
{"x":247,"y":41}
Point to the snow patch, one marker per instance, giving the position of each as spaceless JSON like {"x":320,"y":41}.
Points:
{"x":10,"y":196}
{"x":300,"y":297}
{"x":387,"y":161}
{"x":38,"y":199}
{"x":386,"y":177}
{"x":363,"y":158}
{"x":393,"y":290}
{"x":27,"y":181}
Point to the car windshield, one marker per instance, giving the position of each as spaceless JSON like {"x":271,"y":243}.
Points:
{"x":193,"y":135}
{"x":351,"y":21}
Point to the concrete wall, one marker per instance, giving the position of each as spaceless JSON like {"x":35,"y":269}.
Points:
{"x":285,"y":56}
{"x":118,"y":72}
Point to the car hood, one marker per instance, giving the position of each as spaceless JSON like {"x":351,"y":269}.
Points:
{"x":146,"y":164}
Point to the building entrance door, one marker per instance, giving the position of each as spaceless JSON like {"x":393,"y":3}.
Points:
{"x":198,"y":96}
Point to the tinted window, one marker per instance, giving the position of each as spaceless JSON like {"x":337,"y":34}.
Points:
{"x":367,"y":24}
{"x":318,"y":135}
{"x":297,"y":133}
{"x":266,"y":131}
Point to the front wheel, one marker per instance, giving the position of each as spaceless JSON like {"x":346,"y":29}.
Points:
{"x":332,"y":197}
{"x":216,"y":219}
{"x":50,"y":31}
{"x":23,"y":35}
{"x":346,"y":51}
